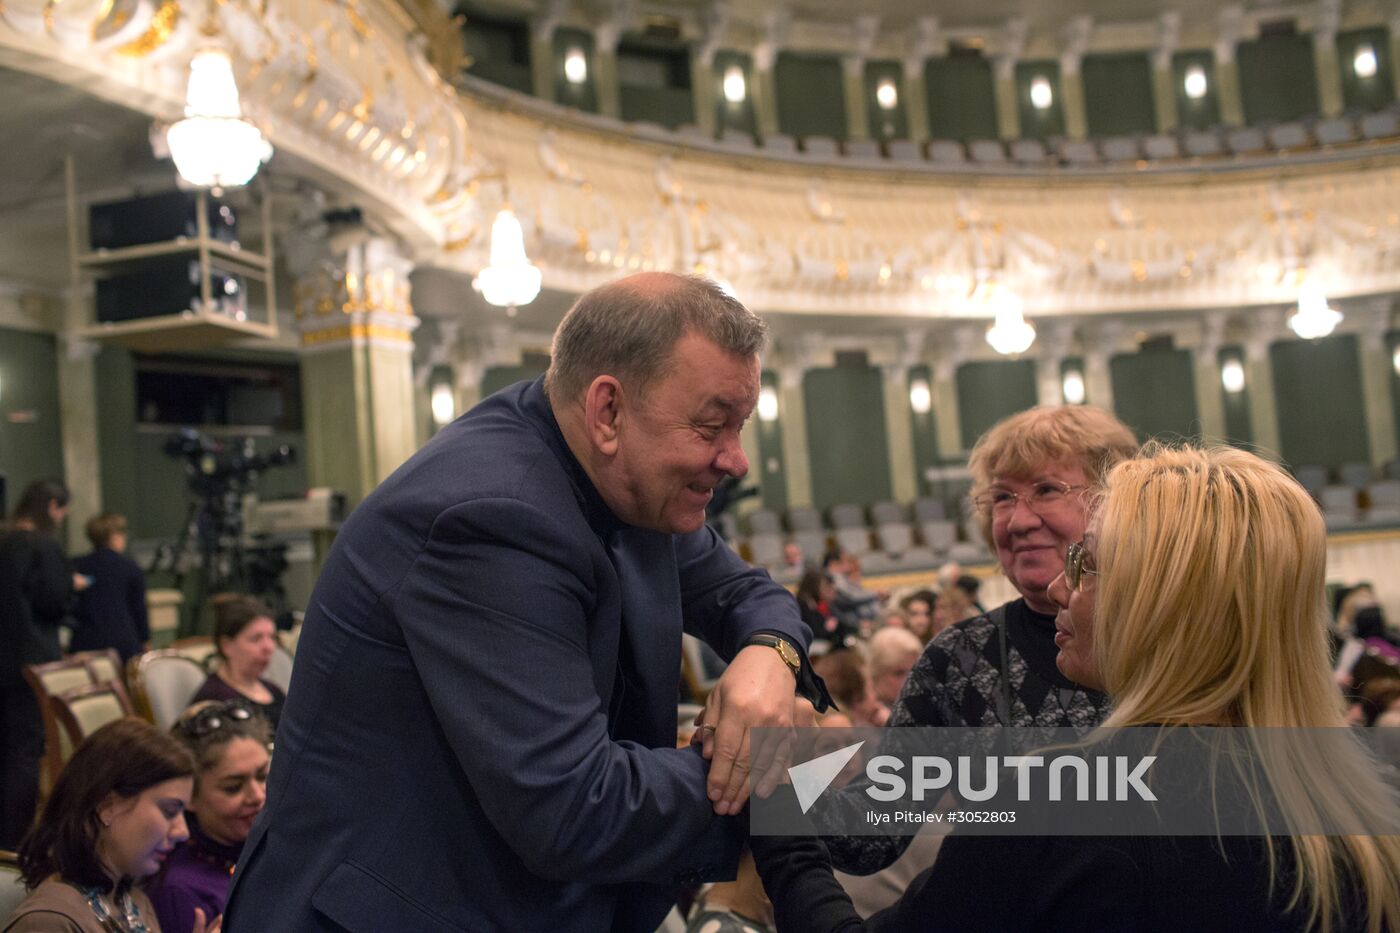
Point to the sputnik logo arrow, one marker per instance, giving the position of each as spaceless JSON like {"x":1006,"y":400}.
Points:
{"x":810,"y":778}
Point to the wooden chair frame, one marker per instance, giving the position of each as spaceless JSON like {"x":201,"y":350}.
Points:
{"x":63,"y":710}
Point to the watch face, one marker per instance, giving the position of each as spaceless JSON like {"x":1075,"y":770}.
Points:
{"x":788,"y":654}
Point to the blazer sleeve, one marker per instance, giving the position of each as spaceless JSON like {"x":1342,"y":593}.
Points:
{"x":725,"y":601}
{"x":496,"y":612}
{"x":136,"y":600}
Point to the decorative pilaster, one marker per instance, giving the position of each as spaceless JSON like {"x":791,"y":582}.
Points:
{"x":1099,"y":348}
{"x":1076,"y":35}
{"x":864,"y":30}
{"x":926,"y":45}
{"x":765,"y":56}
{"x":542,"y":65}
{"x":77,"y":401}
{"x":1052,"y":344}
{"x":1324,"y":38}
{"x":1227,"y":70}
{"x":1013,"y":45}
{"x":793,"y":406}
{"x":947,"y":417}
{"x":1395,"y":51}
{"x":356,"y":324}
{"x":606,"y":37}
{"x":1205,"y":366}
{"x":1265,"y":328}
{"x":1375,"y":379}
{"x":1163,"y":80}
{"x":715,"y":25}
{"x":899,"y":429}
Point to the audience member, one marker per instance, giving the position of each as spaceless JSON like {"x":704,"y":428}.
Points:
{"x":970,"y":587}
{"x":793,"y":561}
{"x":815,"y":593}
{"x":846,"y":679}
{"x":245,"y":638}
{"x":36,"y":591}
{"x":855,"y":607}
{"x":1232,"y":636}
{"x":1033,"y":474}
{"x":919,"y":607}
{"x":111,"y":612}
{"x":229,"y":743}
{"x":115,"y":814}
{"x":481,"y":732}
{"x":893,"y":653}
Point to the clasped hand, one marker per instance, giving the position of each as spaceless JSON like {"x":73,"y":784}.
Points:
{"x":756,"y":691}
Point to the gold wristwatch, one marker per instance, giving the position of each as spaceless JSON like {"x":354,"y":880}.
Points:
{"x":785,"y":651}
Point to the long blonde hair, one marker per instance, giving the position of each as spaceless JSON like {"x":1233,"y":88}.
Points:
{"x":1211,"y":591}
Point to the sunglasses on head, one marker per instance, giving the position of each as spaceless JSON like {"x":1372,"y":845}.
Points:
{"x":215,"y":717}
{"x":1076,"y":565}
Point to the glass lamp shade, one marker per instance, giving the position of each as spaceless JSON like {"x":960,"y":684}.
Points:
{"x":510,"y":280}
{"x":214,"y":145}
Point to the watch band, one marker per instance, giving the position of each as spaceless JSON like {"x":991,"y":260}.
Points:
{"x":785,"y":650}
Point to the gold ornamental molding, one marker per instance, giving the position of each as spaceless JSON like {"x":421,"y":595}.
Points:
{"x":347,"y":86}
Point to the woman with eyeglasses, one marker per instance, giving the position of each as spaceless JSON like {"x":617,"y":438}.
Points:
{"x":115,"y":815}
{"x":1196,"y":599}
{"x":1033,"y":474}
{"x":229,"y":744}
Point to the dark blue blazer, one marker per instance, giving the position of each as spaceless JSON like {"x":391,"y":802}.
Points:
{"x":480,"y":727}
{"x":111,"y":613}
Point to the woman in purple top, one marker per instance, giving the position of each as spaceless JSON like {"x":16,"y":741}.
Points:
{"x":245,"y":637}
{"x":229,"y":743}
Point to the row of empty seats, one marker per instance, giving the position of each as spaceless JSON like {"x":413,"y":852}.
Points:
{"x":1216,"y":142}
{"x":1352,"y":496}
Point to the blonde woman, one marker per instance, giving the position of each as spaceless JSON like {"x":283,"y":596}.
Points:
{"x":1196,"y":598}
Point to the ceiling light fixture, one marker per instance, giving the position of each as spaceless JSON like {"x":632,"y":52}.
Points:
{"x":510,"y":280}
{"x":1232,"y":376}
{"x":1009,"y":334}
{"x":735,"y":87}
{"x":213,"y":146}
{"x":1313,"y":318}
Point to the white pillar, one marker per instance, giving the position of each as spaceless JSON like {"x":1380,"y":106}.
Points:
{"x":1205,"y":365}
{"x":797,"y":463}
{"x":1376,"y":369}
{"x":1265,"y":328}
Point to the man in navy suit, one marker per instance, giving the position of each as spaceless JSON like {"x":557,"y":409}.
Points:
{"x":111,"y":611}
{"x":480,"y":727}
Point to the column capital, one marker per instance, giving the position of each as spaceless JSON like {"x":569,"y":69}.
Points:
{"x":1053,"y":340}
{"x":853,"y":66}
{"x":550,"y":16}
{"x":1266,"y":326}
{"x":1013,"y":47}
{"x":864,"y":30}
{"x":79,"y":349}
{"x":609,"y":32}
{"x":1373,"y":317}
{"x":1168,"y":39}
{"x":1212,"y":335}
{"x":1327,"y":19}
{"x":1076,"y":34}
{"x":776,"y":25}
{"x":714,"y":26}
{"x":1230,"y":33}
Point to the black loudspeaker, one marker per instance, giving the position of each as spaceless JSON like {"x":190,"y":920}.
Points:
{"x":158,"y":218}
{"x":167,"y":287}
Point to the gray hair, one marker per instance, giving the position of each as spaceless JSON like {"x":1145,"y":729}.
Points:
{"x":628,"y":329}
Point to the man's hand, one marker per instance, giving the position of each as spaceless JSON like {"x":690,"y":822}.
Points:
{"x":756,"y":691}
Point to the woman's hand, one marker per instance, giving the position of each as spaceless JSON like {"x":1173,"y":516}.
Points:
{"x":200,"y":926}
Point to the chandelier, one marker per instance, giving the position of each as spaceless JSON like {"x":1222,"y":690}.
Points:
{"x":1009,"y":333}
{"x":213,"y":146}
{"x":1313,"y":319}
{"x":510,"y":279}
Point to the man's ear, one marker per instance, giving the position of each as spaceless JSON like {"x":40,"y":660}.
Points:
{"x":602,"y":414}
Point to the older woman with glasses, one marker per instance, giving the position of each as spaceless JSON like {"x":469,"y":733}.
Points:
{"x":229,"y":742}
{"x":1033,"y":476}
{"x":1195,"y":600}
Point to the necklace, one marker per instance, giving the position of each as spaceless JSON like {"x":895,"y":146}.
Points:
{"x":119,"y":914}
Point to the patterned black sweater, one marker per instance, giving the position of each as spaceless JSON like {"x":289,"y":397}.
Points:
{"x":956,"y":682}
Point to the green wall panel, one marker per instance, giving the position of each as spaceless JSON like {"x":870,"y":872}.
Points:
{"x":654,"y":83}
{"x":925,"y":433}
{"x":846,"y":439}
{"x":499,"y":49}
{"x":1154,"y":393}
{"x":734,"y":116}
{"x":989,"y":391}
{"x":885,"y":124}
{"x":1118,"y":94}
{"x":498,"y":377}
{"x":1317,"y":386}
{"x":811,"y":95}
{"x":31,"y":439}
{"x":1277,"y":79}
{"x":116,"y":422}
{"x":583,"y":96}
{"x":1195,"y":113}
{"x":1239,"y":429}
{"x":961,"y":98}
{"x":1392,"y":344}
{"x":1036,"y":123}
{"x":771,"y":474}
{"x":1374,"y":92}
